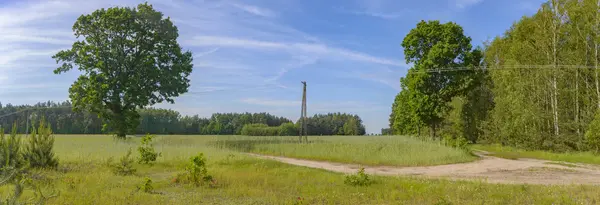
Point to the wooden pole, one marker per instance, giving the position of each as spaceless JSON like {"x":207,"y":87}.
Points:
{"x":303,"y":126}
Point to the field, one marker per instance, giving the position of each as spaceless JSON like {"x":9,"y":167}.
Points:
{"x":514,"y":153}
{"x":83,"y":178}
{"x":365,"y":150}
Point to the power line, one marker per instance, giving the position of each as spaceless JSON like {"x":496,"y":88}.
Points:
{"x":503,"y":67}
{"x":32,"y":108}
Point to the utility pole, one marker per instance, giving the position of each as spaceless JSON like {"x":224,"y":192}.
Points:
{"x":303,"y":126}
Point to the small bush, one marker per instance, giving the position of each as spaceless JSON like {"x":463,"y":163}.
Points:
{"x":146,"y":150}
{"x":259,"y":130}
{"x":125,"y":165}
{"x":358,"y":179}
{"x":196,"y":172}
{"x":592,"y":134}
{"x":146,"y":186}
{"x":288,"y":129}
{"x":39,"y":151}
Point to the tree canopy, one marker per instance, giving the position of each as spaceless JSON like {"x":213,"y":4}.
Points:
{"x":425,"y":95}
{"x":63,"y":120}
{"x":129,"y":59}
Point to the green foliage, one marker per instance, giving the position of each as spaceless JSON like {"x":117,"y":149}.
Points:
{"x":146,"y":150}
{"x":592,"y":135}
{"x":63,"y":120}
{"x":125,"y":165}
{"x":196,"y":172}
{"x":129,"y":58}
{"x":10,"y":150}
{"x":425,"y":95}
{"x":14,"y":171}
{"x":287,"y":129}
{"x":20,"y":181}
{"x":146,"y":186}
{"x":39,"y":151}
{"x":333,"y":124}
{"x":546,"y":106}
{"x":259,"y":130}
{"x":358,"y":179}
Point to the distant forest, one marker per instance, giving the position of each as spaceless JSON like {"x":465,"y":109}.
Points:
{"x":63,"y":120}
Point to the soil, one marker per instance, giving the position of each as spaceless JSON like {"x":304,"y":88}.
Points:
{"x":487,"y":169}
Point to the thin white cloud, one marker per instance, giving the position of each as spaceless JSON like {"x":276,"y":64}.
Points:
{"x":201,"y":54}
{"x":311,"y":48}
{"x":269,"y":102}
{"x":254,"y":10}
{"x":461,"y":4}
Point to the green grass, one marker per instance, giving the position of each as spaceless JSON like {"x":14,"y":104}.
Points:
{"x":562,"y":164}
{"x":366,"y":150}
{"x":82,"y":178}
{"x":514,"y":153}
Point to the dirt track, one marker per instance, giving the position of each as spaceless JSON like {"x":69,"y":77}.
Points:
{"x":488,"y":168}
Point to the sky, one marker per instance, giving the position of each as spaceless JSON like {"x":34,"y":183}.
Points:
{"x":251,"y":56}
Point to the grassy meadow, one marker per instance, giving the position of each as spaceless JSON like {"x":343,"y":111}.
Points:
{"x":365,"y":150}
{"x":83,"y":177}
{"x":514,"y":153}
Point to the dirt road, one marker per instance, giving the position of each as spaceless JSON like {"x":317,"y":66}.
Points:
{"x":488,"y":169}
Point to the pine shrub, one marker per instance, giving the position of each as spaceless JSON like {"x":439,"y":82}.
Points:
{"x":39,"y":151}
{"x":10,"y":149}
{"x":125,"y":165}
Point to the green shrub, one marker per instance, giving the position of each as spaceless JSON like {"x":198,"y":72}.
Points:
{"x":10,"y":150}
{"x":196,"y":172}
{"x":125,"y":165}
{"x":146,"y":186}
{"x":456,"y":142}
{"x":259,"y":130}
{"x":358,"y":179}
{"x":592,"y":134}
{"x":39,"y":151}
{"x":14,"y":172}
{"x":146,"y":150}
{"x":288,"y":129}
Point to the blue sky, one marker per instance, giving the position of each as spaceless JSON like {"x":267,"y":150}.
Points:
{"x":250,"y":56}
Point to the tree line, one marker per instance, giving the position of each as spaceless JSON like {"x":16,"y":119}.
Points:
{"x":63,"y":120}
{"x":537,"y":86}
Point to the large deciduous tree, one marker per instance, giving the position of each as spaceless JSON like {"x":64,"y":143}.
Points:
{"x":432,"y":46}
{"x":129,"y":59}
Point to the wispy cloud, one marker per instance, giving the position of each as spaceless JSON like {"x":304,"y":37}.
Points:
{"x":254,"y":10}
{"x":311,"y":48}
{"x":466,"y":3}
{"x":376,"y":14}
{"x":269,"y":102}
{"x":201,"y":54}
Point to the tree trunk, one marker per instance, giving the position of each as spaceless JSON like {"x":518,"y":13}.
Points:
{"x":577,"y":101}
{"x":596,"y":31}
{"x":119,"y":123}
{"x":556,"y":22}
{"x":433,"y":129}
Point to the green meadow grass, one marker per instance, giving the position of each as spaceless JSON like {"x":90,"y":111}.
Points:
{"x":514,"y":153}
{"x":366,"y":150}
{"x":82,"y":178}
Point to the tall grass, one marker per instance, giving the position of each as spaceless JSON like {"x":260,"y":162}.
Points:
{"x":514,"y":153}
{"x":242,"y":179}
{"x":366,"y":150}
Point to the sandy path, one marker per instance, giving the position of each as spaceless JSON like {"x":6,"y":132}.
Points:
{"x":488,"y":168}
